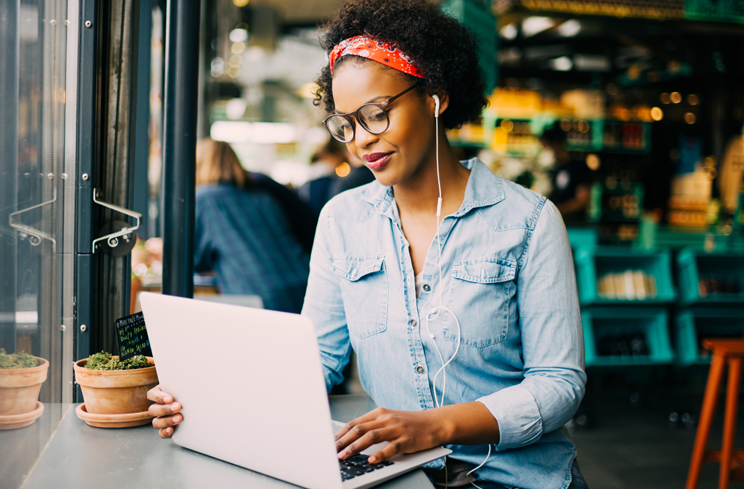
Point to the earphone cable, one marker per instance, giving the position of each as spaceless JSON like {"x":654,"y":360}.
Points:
{"x":442,"y":308}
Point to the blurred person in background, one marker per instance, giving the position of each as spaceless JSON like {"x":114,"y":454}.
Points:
{"x":359,"y":175}
{"x":243,"y":234}
{"x":571,"y":179}
{"x":334,"y":155}
{"x":317,"y":191}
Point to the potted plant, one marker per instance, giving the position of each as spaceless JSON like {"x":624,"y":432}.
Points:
{"x":21,"y":376}
{"x":115,"y":392}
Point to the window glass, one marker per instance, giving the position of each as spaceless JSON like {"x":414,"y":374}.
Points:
{"x":38,"y":69}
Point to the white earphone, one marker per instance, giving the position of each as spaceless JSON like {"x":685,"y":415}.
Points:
{"x":433,"y":313}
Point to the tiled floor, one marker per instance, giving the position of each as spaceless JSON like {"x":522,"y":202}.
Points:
{"x":629,"y":445}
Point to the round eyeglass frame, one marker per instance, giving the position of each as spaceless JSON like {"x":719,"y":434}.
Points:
{"x":348,"y":116}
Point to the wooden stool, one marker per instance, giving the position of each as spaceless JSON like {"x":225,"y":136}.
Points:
{"x":728,"y":351}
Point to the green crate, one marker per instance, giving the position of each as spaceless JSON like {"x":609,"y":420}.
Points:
{"x":582,"y":237}
{"x":608,"y":325}
{"x":592,"y":265}
{"x":694,"y":325}
{"x":721,"y":10}
{"x":726,"y":267}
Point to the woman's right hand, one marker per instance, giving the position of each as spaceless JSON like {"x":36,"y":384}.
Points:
{"x":167,"y":412}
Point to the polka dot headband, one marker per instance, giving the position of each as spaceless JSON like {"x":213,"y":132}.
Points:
{"x":378,"y":50}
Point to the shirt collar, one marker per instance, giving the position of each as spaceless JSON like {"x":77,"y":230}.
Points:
{"x":483,"y":189}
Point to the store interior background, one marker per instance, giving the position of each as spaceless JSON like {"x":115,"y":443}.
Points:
{"x":636,"y":96}
{"x":650,"y":97}
{"x":651,"y":103}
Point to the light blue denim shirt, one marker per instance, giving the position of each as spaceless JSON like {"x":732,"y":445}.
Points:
{"x":507,"y":275}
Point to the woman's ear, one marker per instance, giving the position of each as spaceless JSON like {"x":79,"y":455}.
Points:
{"x":443,"y":101}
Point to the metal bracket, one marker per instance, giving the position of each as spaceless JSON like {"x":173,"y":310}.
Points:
{"x":35,"y":236}
{"x":113,"y":238}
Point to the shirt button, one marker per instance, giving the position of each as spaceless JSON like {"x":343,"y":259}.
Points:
{"x":420,"y":369}
{"x":426,"y":287}
{"x":412,"y":322}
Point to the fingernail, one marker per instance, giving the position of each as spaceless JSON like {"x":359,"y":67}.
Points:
{"x":372,"y":460}
{"x":177,"y":419}
{"x":169,"y":430}
{"x":175,"y":407}
{"x":342,"y":455}
{"x":168,"y":399}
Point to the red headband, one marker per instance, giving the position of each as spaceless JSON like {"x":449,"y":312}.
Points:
{"x":378,"y":50}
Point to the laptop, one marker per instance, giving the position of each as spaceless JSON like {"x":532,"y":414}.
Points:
{"x":252,"y":389}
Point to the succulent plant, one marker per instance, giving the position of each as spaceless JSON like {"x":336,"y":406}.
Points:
{"x":106,"y":361}
{"x":16,"y":360}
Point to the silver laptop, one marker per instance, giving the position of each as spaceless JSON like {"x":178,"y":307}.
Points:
{"x":251,"y":385}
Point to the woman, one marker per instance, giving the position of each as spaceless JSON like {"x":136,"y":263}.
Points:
{"x":242,"y":233}
{"x":467,"y":325}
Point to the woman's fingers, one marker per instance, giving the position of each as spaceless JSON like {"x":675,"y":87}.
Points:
{"x":166,"y":421}
{"x":390,"y":450}
{"x":372,"y":436}
{"x":166,"y":424}
{"x":164,"y":409}
{"x":370,"y":416}
{"x":166,"y":412}
{"x":158,"y":396}
{"x":406,"y":432}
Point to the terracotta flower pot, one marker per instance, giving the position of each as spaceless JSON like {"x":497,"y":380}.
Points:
{"x":19,"y":394}
{"x":115,"y":391}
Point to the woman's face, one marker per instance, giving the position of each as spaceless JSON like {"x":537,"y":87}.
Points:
{"x":404,"y":149}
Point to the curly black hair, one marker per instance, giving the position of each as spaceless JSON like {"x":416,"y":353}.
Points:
{"x":443,"y":49}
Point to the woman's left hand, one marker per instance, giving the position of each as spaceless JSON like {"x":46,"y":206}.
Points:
{"x":406,"y":432}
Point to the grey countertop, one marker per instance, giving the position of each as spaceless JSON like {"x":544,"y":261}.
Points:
{"x":20,"y":449}
{"x":82,"y":456}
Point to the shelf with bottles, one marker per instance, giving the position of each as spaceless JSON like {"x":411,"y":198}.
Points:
{"x":469,"y":135}
{"x":615,"y":202}
{"x":694,"y":325}
{"x":516,"y":137}
{"x":616,"y":275}
{"x":626,"y":337}
{"x":582,"y":135}
{"x":519,"y":136}
{"x":626,"y":137}
{"x":690,"y":211}
{"x":715,"y":278}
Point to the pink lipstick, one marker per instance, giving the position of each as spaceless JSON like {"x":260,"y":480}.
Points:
{"x":376,"y":161}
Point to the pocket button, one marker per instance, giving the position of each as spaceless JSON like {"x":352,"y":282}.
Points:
{"x":420,"y":369}
{"x":426,"y":287}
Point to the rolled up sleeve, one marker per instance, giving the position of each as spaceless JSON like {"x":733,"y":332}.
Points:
{"x":552,"y":340}
{"x":325,"y":308}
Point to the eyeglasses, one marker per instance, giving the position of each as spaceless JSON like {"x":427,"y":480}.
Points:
{"x":373,"y":117}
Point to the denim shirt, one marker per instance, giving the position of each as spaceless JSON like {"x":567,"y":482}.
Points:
{"x":507,"y":275}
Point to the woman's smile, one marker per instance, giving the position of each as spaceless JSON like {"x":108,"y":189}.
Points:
{"x":377,"y":161}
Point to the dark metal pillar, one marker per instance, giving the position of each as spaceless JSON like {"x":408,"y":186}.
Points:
{"x":141,"y":142}
{"x":179,"y":145}
{"x":9,"y":54}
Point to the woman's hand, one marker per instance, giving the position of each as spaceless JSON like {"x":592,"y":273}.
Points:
{"x":407,"y":432}
{"x":167,"y":412}
{"x":469,"y":423}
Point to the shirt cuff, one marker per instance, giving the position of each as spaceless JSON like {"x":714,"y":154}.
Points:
{"x":517,"y":414}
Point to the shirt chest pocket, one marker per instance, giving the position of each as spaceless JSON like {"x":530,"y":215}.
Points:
{"x":481,"y":294}
{"x":364,"y":290}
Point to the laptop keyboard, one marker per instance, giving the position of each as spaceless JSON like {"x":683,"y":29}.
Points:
{"x":358,"y":465}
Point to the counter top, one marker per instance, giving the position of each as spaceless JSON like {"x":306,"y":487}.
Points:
{"x":82,"y":456}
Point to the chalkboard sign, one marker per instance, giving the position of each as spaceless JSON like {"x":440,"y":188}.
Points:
{"x":131,"y":335}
